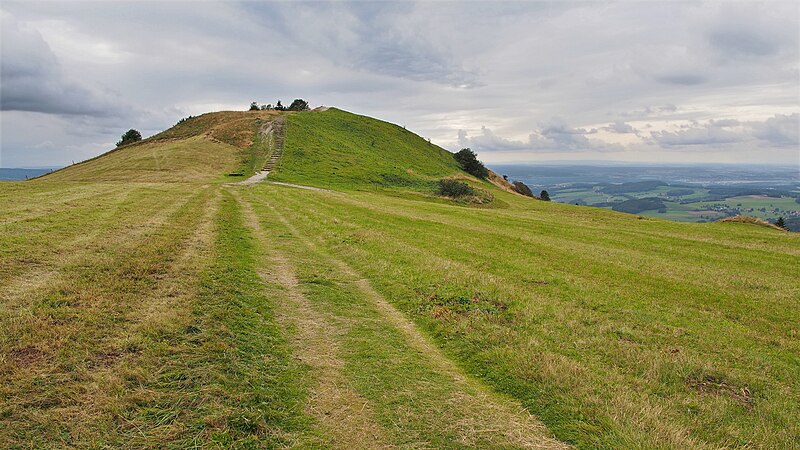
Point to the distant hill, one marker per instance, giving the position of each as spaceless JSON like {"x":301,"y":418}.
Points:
{"x":21,"y":174}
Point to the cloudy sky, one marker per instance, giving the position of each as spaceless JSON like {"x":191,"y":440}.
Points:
{"x":523,"y":81}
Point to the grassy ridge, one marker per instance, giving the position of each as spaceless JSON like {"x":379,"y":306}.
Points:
{"x":335,"y":148}
{"x":617,"y":332}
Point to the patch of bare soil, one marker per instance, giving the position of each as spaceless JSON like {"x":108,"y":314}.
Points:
{"x":26,"y":356}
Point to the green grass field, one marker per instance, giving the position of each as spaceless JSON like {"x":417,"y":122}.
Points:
{"x":147,"y":302}
{"x":698,"y":211}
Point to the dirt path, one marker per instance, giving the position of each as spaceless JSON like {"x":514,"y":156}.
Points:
{"x":273,"y":132}
{"x":346,"y":415}
{"x":470,"y":413}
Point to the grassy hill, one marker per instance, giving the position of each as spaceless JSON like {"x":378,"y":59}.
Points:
{"x":371,"y":314}
{"x":203,"y":148}
{"x":339,"y":149}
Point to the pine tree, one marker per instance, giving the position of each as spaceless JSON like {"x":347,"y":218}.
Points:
{"x":780,"y":223}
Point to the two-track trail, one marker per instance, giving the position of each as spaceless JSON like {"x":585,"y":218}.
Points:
{"x":378,"y":381}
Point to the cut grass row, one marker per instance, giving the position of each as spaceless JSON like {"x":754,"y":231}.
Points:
{"x":153,"y":333}
{"x":406,"y":393}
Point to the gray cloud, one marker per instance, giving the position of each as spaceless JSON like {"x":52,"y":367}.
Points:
{"x":620,"y":127}
{"x":736,"y":32}
{"x":682,"y":79}
{"x":554,"y":136}
{"x":783,"y":130}
{"x":778,"y":131}
{"x":31,"y":79}
{"x":436,"y":67}
{"x":697,"y":135}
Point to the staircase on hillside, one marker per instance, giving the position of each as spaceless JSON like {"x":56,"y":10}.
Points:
{"x":277,"y":143}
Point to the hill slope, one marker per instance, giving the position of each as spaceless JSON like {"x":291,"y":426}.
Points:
{"x":204,"y":313}
{"x":335,"y":148}
{"x":202,"y":148}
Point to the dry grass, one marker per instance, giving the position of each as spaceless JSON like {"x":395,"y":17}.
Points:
{"x":196,"y":159}
{"x":750,"y":220}
{"x":73,"y":342}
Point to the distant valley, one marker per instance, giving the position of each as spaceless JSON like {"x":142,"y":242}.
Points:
{"x":682,"y":193}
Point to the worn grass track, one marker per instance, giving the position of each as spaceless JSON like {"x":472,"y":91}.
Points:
{"x":377,"y":351}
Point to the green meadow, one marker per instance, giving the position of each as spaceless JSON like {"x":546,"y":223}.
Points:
{"x":148,"y":301}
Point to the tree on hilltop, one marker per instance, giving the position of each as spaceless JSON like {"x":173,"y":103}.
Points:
{"x":298,"y":105}
{"x":279,"y":107}
{"x":544,"y":196}
{"x":469,"y":162}
{"x":254,"y":106}
{"x":780,"y":223}
{"x":129,"y":137}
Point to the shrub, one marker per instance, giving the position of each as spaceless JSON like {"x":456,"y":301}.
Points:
{"x":522,"y":188}
{"x":469,"y":162}
{"x":544,"y":195}
{"x":455,"y":188}
{"x":254,"y":106}
{"x":298,"y":105}
{"x":130,"y":137}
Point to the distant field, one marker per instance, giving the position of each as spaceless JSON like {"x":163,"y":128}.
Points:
{"x":752,"y":205}
{"x":681,"y":207}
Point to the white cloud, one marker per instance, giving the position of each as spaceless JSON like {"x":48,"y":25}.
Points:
{"x":552,"y":136}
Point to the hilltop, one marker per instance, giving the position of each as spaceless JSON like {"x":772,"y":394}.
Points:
{"x":152,"y":300}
